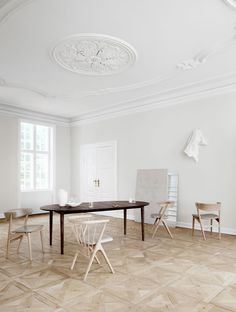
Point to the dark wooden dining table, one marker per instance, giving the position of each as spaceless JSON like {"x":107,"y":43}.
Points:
{"x":95,"y":207}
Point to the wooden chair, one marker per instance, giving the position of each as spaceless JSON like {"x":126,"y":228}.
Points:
{"x":161,"y":216}
{"x":90,"y":237}
{"x":15,"y":233}
{"x":210,"y":212}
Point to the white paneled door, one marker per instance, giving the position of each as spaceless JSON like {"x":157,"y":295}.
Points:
{"x":98,"y":171}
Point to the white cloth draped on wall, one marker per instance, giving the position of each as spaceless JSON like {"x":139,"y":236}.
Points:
{"x":193,"y":144}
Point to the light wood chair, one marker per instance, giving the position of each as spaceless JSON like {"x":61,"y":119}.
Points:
{"x":208,"y":212}
{"x":90,"y":237}
{"x":15,"y":233}
{"x":161,"y":216}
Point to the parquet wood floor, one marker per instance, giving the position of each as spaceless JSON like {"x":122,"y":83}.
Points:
{"x":183,"y":275}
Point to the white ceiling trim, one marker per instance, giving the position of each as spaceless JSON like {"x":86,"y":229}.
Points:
{"x":231,"y":3}
{"x":165,"y":99}
{"x":4,"y":83}
{"x":10,"y":7}
{"x":190,"y":92}
{"x":9,"y":110}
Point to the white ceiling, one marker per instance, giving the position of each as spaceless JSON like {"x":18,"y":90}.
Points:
{"x":184,"y":48}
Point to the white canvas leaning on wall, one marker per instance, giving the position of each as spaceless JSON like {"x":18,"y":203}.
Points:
{"x":153,"y":186}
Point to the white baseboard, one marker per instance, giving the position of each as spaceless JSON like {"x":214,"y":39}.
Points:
{"x":224,"y":230}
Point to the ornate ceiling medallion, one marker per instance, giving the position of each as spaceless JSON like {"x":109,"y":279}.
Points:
{"x":231,"y":3}
{"x":94,"y":54}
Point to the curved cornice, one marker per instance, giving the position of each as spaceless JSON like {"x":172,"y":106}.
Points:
{"x":190,"y":92}
{"x":231,"y":3}
{"x":149,"y":105}
{"x":10,"y":110}
{"x":21,"y":86}
{"x":10,"y":7}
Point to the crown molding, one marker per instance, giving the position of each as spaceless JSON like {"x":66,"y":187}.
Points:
{"x":39,"y":92}
{"x":10,"y":7}
{"x":9,"y":110}
{"x":231,"y":3}
{"x":187,"y":93}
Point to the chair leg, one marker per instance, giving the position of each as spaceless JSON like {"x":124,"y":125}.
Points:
{"x":7,"y":248}
{"x":41,"y":236}
{"x":156,"y":227}
{"x":211,"y":224}
{"x":90,"y":262}
{"x":19,"y":243}
{"x":219,"y":229}
{"x":106,"y":258}
{"x":96,"y":258}
{"x":74,"y":260}
{"x":193,"y":226}
{"x":203,"y":234}
{"x":167,"y":228}
{"x":29,"y":244}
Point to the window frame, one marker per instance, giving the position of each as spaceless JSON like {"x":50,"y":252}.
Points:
{"x":34,"y":152}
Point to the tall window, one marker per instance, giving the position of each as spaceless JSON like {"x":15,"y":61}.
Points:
{"x":36,"y":157}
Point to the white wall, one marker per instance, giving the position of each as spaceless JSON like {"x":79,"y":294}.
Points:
{"x":63,"y":158}
{"x":8,"y":163}
{"x":156,"y":139}
{"x":9,"y":189}
{"x":153,"y":139}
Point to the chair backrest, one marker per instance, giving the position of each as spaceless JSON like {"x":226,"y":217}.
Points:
{"x":208,"y":207}
{"x":17,"y":213}
{"x":89,"y":232}
{"x":164,"y":205}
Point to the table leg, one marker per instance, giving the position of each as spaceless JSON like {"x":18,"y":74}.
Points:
{"x":125,"y":221}
{"x":142,"y":222}
{"x":50,"y":226}
{"x":62,"y":231}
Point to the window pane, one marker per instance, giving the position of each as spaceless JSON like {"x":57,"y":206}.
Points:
{"x":42,"y":138}
{"x":42,"y":171}
{"x":27,"y":136}
{"x":26,"y":174}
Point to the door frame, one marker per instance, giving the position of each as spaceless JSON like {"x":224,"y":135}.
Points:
{"x":113,"y":144}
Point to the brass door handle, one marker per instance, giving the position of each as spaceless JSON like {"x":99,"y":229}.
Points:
{"x":97,"y":182}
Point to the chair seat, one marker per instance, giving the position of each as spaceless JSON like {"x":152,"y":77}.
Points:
{"x":28,"y":229}
{"x":157,"y":216}
{"x":208,"y":212}
{"x":206,"y":216}
{"x":94,"y":240}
